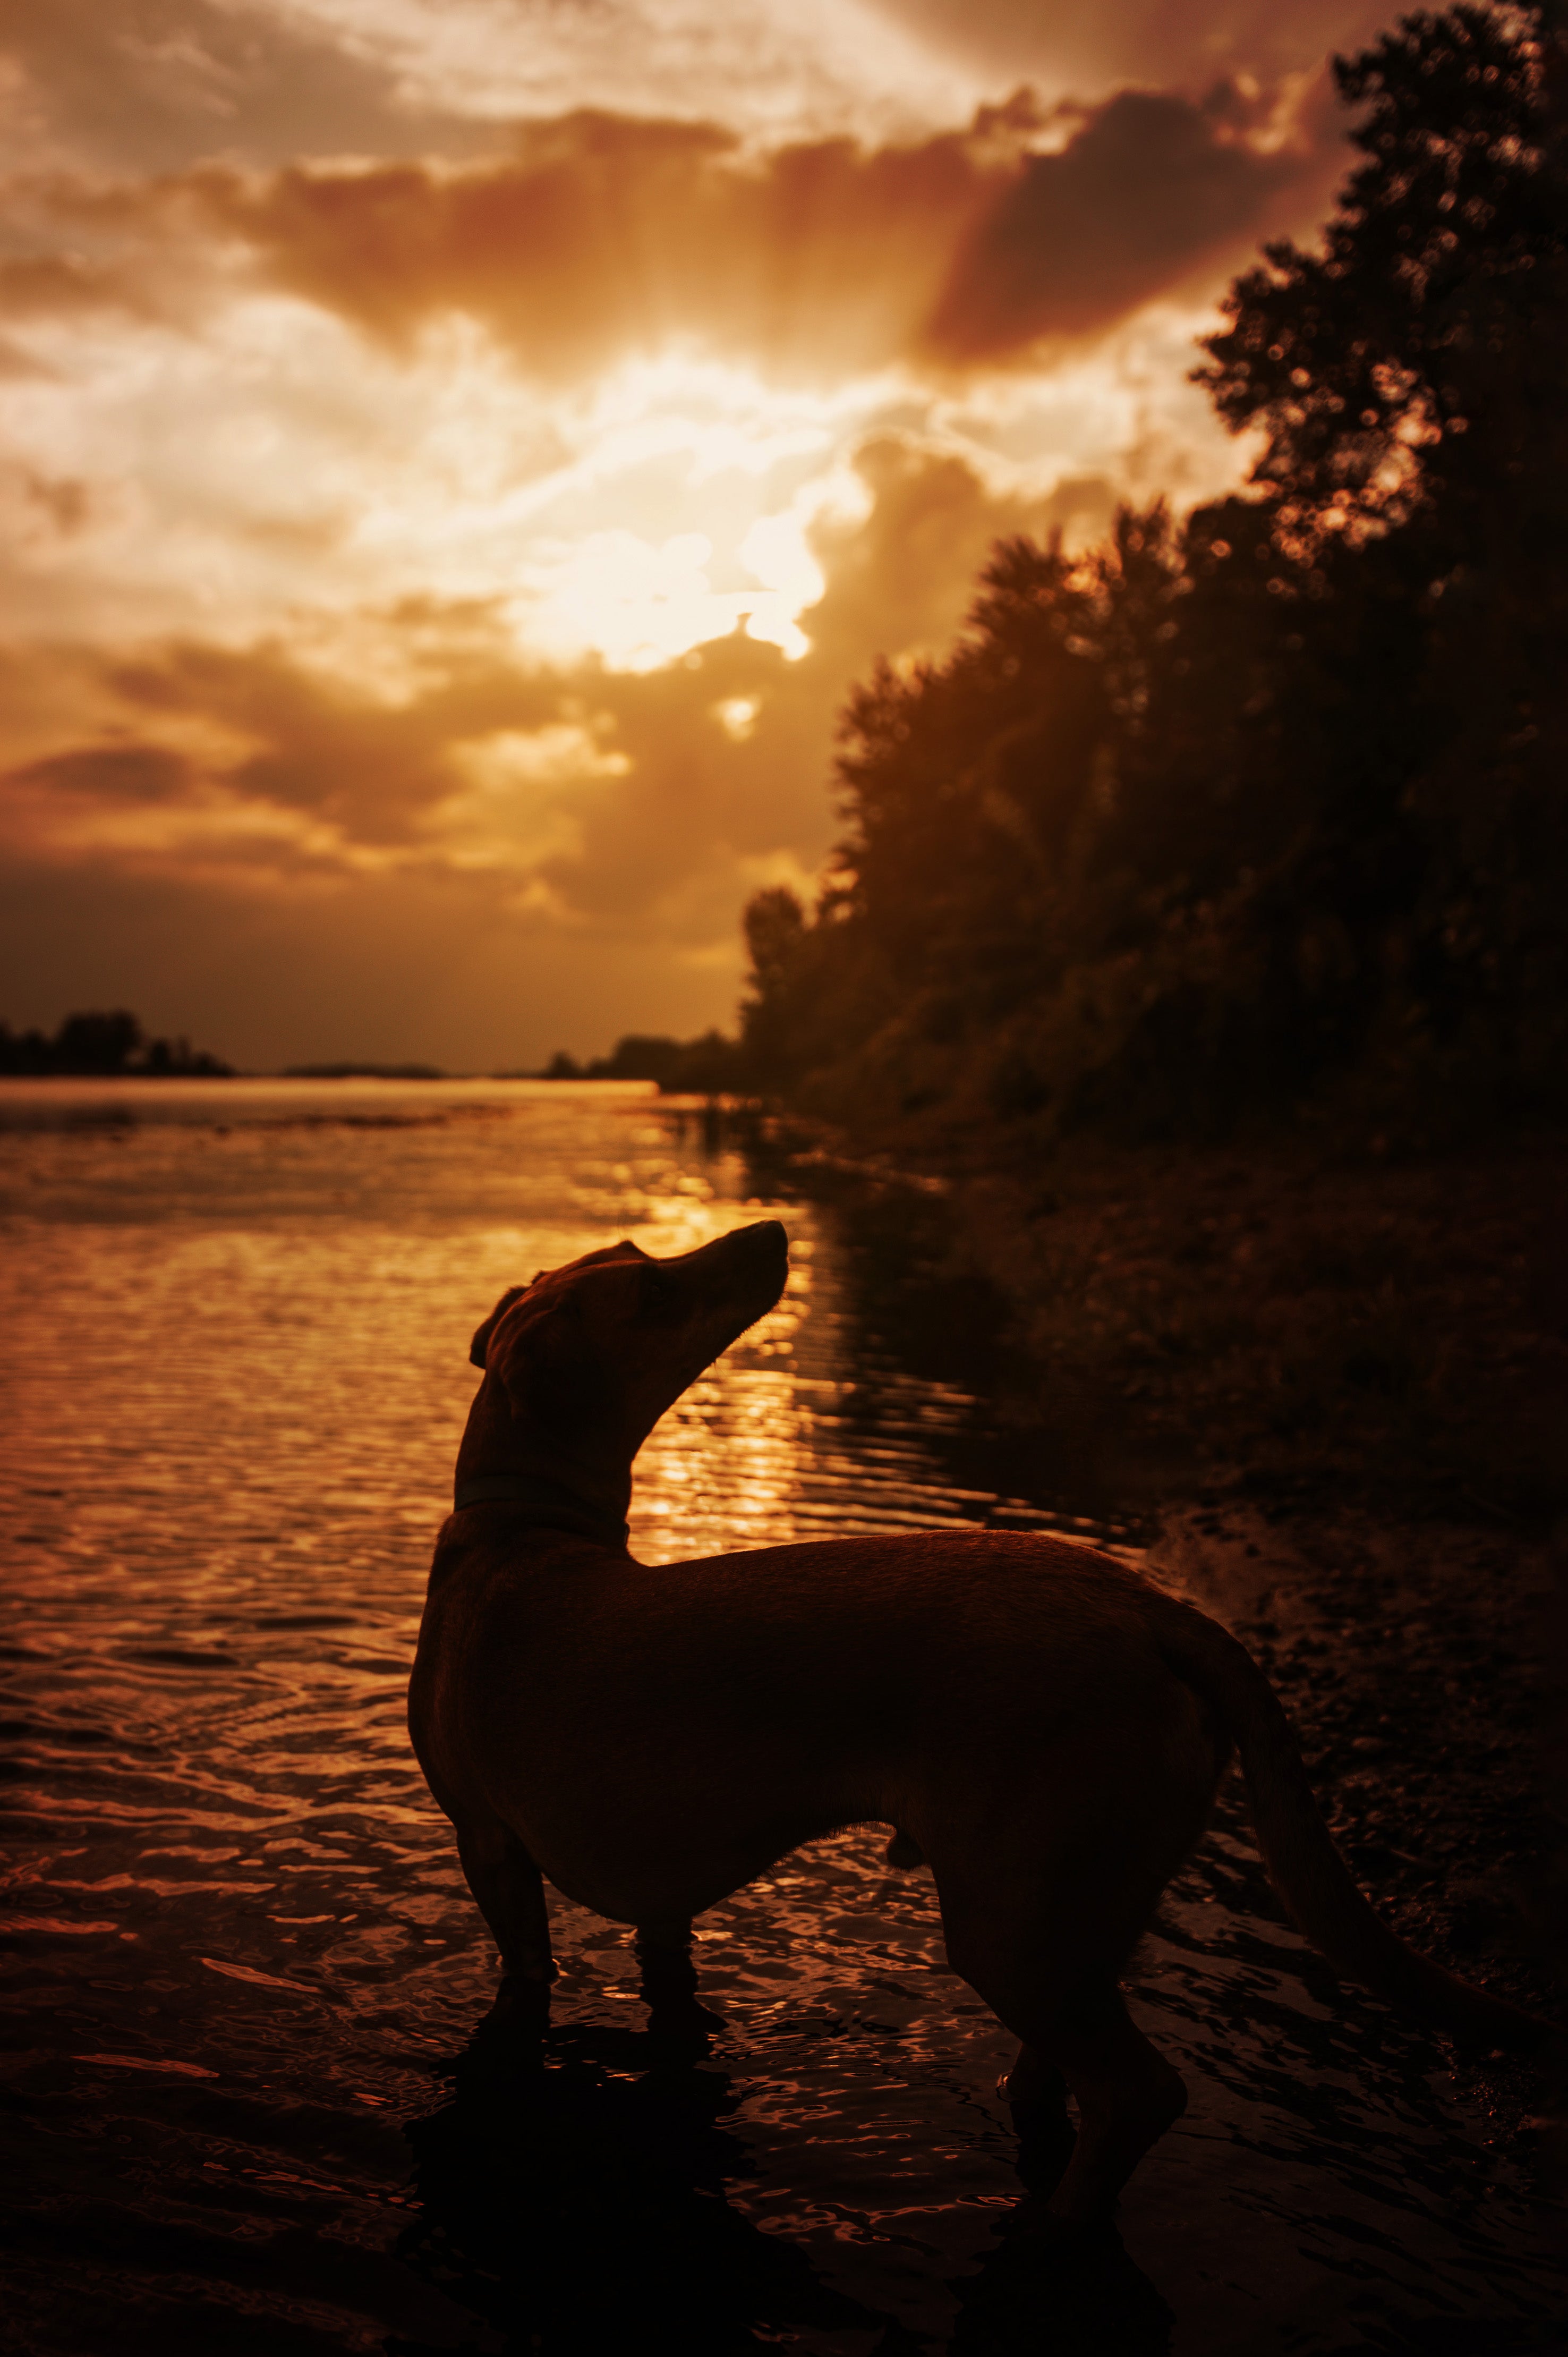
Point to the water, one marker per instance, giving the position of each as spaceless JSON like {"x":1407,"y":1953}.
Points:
{"x":240,"y":1966}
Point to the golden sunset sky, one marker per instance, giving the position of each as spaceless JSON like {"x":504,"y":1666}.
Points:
{"x":456,"y":456}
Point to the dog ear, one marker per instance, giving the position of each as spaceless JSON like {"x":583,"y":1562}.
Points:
{"x":544,"y":1358}
{"x":480,"y":1343}
{"x":625,"y":1250}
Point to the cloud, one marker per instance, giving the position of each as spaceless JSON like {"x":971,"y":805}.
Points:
{"x":1092,"y":51}
{"x":607,"y":235}
{"x":1149,"y":186}
{"x":565,"y":801}
{"x":146,"y":85}
{"x":761,"y":63}
{"x":107,"y":775}
{"x":151,"y":86}
{"x":56,"y":285}
{"x":385,"y":484}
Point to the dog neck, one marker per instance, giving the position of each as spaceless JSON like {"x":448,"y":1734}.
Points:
{"x":548,"y":1504}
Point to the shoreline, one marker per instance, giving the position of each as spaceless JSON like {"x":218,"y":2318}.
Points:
{"x":1334,"y":1395}
{"x":1262,"y":1321}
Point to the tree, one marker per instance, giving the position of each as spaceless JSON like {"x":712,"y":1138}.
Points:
{"x":1211,"y":816}
{"x":1413,"y":380}
{"x":1413,"y":366}
{"x":96,"y":1043}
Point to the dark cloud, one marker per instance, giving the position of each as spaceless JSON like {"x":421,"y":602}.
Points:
{"x":322,"y":748}
{"x":603,"y":235}
{"x":52,"y":285}
{"x":1150,"y":186}
{"x":901,"y":579}
{"x":110,"y":773}
{"x":66,"y":501}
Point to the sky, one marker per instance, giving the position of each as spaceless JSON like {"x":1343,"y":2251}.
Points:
{"x":456,"y":456}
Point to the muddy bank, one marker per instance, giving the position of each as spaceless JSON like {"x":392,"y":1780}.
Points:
{"x":1277,"y":1320}
{"x":1333,"y":1397}
{"x":1292,"y":1326}
{"x":1339,"y":1392}
{"x":1419,"y":1668}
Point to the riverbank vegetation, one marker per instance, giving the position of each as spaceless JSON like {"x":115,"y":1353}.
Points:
{"x":709,"y":1065}
{"x":1257,"y":816}
{"x":1202,"y":914}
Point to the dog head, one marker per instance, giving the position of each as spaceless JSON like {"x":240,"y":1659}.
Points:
{"x":593,"y":1353}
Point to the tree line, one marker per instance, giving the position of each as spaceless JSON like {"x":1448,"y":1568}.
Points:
{"x":104,"y":1046}
{"x":1265,"y":807}
{"x":707,"y":1066}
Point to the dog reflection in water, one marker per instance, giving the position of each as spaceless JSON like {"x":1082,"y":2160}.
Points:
{"x":1040,"y":1725}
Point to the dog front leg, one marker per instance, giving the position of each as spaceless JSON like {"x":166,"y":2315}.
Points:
{"x":1035,"y":2093}
{"x":510,"y":1894}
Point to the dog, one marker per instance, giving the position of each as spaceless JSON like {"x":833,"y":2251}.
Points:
{"x":1041,"y":1725}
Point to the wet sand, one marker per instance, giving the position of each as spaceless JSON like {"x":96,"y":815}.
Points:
{"x":1365,"y":2191}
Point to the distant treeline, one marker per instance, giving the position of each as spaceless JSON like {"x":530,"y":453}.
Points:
{"x":704,"y":1067}
{"x":108,"y":1046}
{"x":363,"y":1071}
{"x":1266,"y":808}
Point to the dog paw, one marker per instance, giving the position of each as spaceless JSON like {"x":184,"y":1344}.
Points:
{"x":1038,"y":2225}
{"x":685,"y":2029}
{"x":520,"y":2004}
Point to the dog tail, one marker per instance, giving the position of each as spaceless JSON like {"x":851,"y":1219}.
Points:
{"x":1306,"y":1870}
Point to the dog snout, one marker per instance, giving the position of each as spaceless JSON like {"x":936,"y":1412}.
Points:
{"x":764,"y":1248}
{"x":748,"y":1266}
{"x":764,"y":1244}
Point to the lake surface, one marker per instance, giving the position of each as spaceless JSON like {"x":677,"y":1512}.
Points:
{"x":243,"y":1973}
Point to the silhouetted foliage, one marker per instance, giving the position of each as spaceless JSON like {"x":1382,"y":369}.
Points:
{"x":1268,"y":806}
{"x":707,"y":1066}
{"x":359,"y":1071}
{"x":108,"y":1046}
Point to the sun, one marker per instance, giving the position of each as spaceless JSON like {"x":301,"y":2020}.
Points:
{"x":685,"y":513}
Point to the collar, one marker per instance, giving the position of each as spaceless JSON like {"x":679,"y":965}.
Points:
{"x":552,"y":1505}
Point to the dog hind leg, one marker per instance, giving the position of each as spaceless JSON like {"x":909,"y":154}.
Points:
{"x":1033,"y":2088}
{"x":1075,"y":2031}
{"x":669,"y":1976}
{"x":1035,"y":2093}
{"x":1127,"y":2095}
{"x":1041,"y":1925}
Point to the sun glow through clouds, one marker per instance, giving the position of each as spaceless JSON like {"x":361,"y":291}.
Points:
{"x":456,"y":462}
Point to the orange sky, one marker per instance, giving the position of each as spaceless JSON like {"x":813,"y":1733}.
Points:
{"x":455,"y":455}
